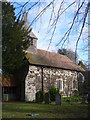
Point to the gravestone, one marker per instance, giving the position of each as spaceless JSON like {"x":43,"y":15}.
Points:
{"x":84,"y":98}
{"x":38,"y":97}
{"x":47,"y":98}
{"x":58,"y":99}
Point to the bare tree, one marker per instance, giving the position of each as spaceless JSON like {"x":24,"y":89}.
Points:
{"x":79,"y":18}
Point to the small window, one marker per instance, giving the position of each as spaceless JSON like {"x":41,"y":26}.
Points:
{"x":9,"y":90}
{"x":74,"y":84}
{"x":31,"y":41}
{"x":59,"y":84}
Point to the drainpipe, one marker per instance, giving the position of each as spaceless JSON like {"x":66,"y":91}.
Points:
{"x":42,"y":77}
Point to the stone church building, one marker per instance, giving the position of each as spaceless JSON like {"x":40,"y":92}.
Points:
{"x":48,"y":69}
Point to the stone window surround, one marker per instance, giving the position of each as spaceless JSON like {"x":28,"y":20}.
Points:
{"x":61,"y":82}
{"x":74,"y":88}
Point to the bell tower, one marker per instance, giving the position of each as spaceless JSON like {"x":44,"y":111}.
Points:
{"x":33,"y":39}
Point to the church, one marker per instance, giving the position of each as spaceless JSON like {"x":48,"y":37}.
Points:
{"x":45,"y":70}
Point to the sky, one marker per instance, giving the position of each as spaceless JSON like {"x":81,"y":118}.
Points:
{"x":43,"y":31}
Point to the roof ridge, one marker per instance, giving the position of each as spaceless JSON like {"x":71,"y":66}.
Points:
{"x":50,"y":52}
{"x":57,"y":54}
{"x":53,"y":61}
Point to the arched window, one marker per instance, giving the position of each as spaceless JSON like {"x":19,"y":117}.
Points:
{"x":59,"y":84}
{"x":74,"y":84}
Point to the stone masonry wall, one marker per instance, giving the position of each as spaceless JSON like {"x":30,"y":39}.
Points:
{"x":33,"y":82}
{"x":52,"y":74}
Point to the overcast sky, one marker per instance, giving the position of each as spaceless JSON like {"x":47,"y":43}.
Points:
{"x":41,"y":27}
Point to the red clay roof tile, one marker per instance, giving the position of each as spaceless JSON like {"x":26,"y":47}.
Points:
{"x":51,"y":59}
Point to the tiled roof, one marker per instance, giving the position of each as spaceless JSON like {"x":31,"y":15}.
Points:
{"x":51,"y":59}
{"x":8,"y":82}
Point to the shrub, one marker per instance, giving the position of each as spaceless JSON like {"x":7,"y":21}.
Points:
{"x":72,"y":99}
{"x":53,"y":91}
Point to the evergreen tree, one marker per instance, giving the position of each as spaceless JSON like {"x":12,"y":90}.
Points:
{"x":15,"y":39}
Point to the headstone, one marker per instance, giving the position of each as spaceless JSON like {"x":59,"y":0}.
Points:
{"x":47,"y":98}
{"x":58,"y":99}
{"x":42,"y":95}
{"x":84,"y":98}
{"x":38,"y":97}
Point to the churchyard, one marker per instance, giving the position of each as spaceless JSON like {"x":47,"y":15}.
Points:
{"x":69,"y":108}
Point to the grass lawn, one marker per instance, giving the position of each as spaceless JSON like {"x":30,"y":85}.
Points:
{"x":66,"y":110}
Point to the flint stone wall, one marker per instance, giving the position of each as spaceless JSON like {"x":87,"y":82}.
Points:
{"x":33,"y":82}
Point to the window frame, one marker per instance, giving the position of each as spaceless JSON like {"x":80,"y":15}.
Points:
{"x":74,"y":88}
{"x":9,"y":90}
{"x":61,"y":89}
